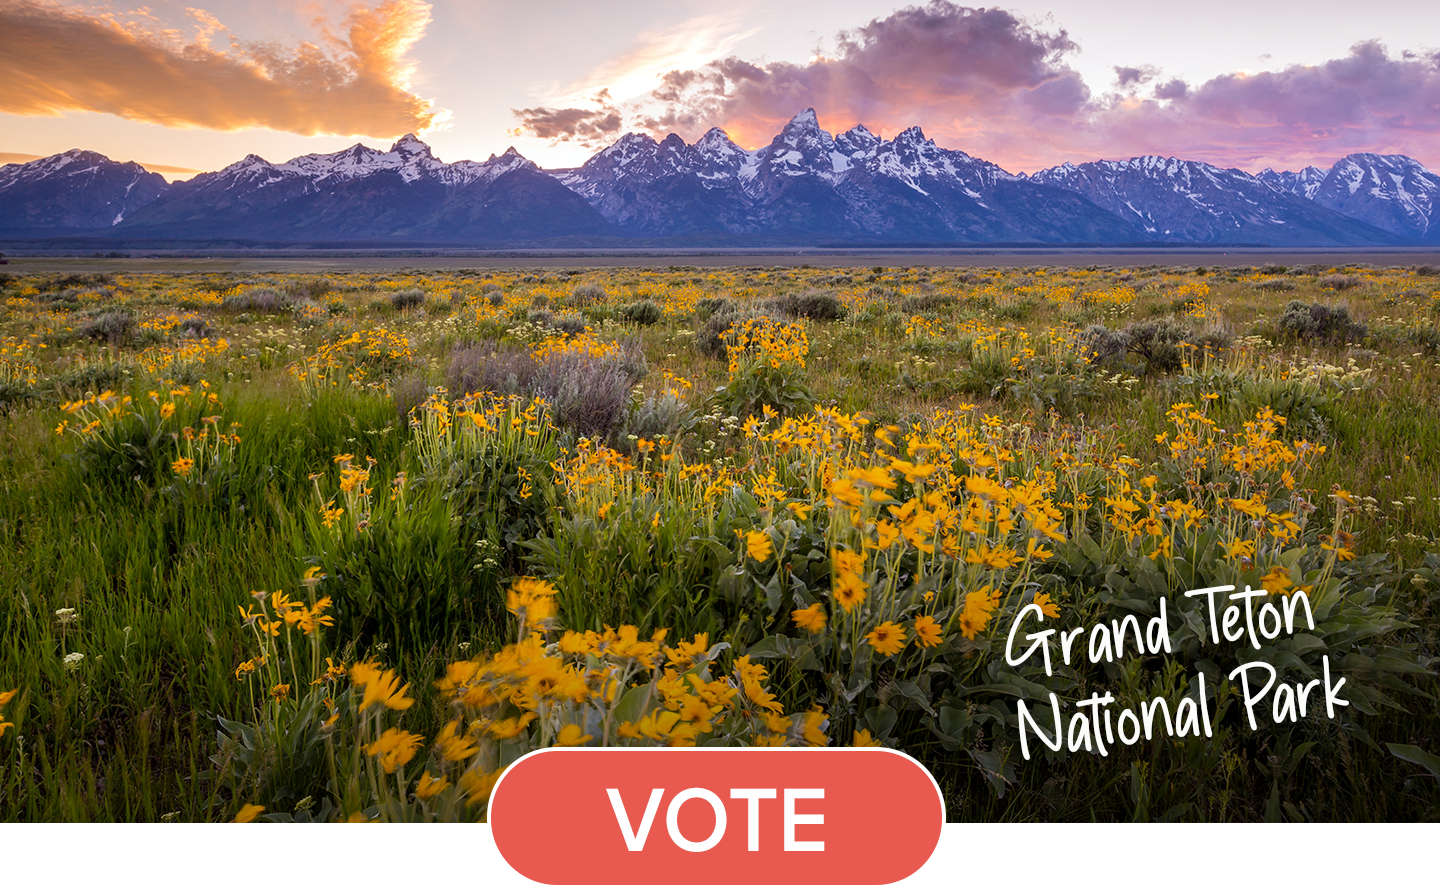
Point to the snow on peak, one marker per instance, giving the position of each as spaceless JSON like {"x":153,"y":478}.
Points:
{"x":716,"y":138}
{"x":805,"y":118}
{"x":857,"y":140}
{"x":804,"y":129}
{"x":911,"y":136}
{"x":409,"y":141}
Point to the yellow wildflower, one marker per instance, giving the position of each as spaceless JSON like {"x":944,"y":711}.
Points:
{"x":888,"y":638}
{"x":1278,"y":581}
{"x":863,"y":739}
{"x":395,"y":748}
{"x":572,"y":736}
{"x":927,"y":632}
{"x":812,"y":618}
{"x":428,"y":786}
{"x":757,"y":544}
{"x":247,"y":813}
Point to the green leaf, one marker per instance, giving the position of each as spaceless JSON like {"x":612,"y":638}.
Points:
{"x":1411,"y":753}
{"x":912,"y":692}
{"x":633,"y":704}
{"x":770,"y":647}
{"x":880,"y":720}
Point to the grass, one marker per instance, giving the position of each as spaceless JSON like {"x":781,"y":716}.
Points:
{"x":155,"y":569}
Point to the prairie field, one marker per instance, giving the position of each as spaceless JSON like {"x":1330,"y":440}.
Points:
{"x":306,"y":547}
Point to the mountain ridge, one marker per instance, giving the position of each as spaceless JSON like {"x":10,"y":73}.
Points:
{"x":805,"y":185}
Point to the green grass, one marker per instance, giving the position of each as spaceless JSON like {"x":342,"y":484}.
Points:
{"x":155,"y":575}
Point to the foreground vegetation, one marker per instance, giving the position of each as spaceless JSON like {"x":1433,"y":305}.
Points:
{"x":321,"y":548}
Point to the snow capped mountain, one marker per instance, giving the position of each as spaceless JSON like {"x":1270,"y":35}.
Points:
{"x":410,"y":159}
{"x":805,"y":185}
{"x":1303,"y":183}
{"x":1179,"y":200}
{"x":1392,"y":192}
{"x":806,"y":181}
{"x":76,"y":189}
{"x":365,"y":193}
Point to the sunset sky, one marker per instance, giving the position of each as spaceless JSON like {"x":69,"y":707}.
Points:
{"x":1028,"y":85}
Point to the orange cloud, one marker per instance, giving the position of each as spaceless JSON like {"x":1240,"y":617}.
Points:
{"x":58,"y":59}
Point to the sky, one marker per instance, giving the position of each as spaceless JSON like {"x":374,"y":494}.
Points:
{"x":1237,"y":83}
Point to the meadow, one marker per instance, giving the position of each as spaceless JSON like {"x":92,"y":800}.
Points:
{"x":302,"y":547}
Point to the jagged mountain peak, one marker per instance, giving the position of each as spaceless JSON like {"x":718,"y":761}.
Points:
{"x":715,"y":137}
{"x":1303,"y":183}
{"x":803,"y":130}
{"x":857,"y":140}
{"x":806,"y":119}
{"x":912,"y":136}
{"x":409,"y":144}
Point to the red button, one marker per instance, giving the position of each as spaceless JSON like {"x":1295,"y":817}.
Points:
{"x":736,"y":815}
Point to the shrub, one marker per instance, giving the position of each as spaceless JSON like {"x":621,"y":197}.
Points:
{"x":1274,"y":286}
{"x":1338,"y":282}
{"x":570,"y":323}
{"x":1427,"y":339}
{"x":664,"y":414}
{"x":504,"y":370}
{"x":1104,"y":346}
{"x":1316,"y":322}
{"x":116,"y":326}
{"x":712,"y":305}
{"x":585,"y":295}
{"x":407,"y":299}
{"x":61,"y":299}
{"x":643,"y":313}
{"x":194,"y":328}
{"x":309,"y":289}
{"x":1159,"y":344}
{"x":73,"y":281}
{"x":817,"y":305}
{"x":587,"y":392}
{"x":265,"y":300}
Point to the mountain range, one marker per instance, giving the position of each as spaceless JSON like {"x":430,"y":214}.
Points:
{"x":806,"y":187}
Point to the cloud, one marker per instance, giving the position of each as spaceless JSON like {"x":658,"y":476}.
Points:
{"x":1368,"y":100}
{"x":940,"y":62}
{"x":351,"y":80}
{"x":585,"y":125}
{"x":1001,"y":87}
{"x":1127,"y":76}
{"x":632,"y":74}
